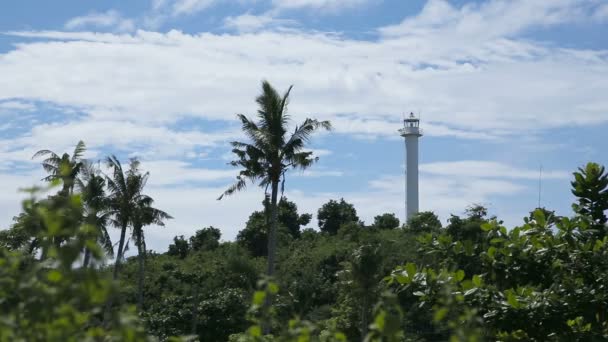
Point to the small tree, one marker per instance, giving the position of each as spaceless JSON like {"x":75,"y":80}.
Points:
{"x":205,"y":239}
{"x":386,"y":221}
{"x":425,"y":221}
{"x":179,"y":247}
{"x":590,"y":186}
{"x":333,"y":214}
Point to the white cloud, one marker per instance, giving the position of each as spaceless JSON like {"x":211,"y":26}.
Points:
{"x":190,"y":6}
{"x":316,"y":173}
{"x":17,"y":106}
{"x":110,"y":19}
{"x":331,"y":5}
{"x":251,"y":23}
{"x":162,"y":77}
{"x":174,"y":172}
{"x":487,"y":169}
{"x":490,"y":19}
{"x":144,"y":141}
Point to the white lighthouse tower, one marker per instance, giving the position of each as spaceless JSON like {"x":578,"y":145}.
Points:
{"x":411,"y":132}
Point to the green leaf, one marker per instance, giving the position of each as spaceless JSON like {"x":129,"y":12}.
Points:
{"x":259,"y":297}
{"x":255,"y":331}
{"x":410,"y":268}
{"x":486,"y":227}
{"x":492,"y":252}
{"x":477,"y":280}
{"x":380,"y":319}
{"x":459,"y":275}
{"x":440,"y":314}
{"x":512,"y":299}
{"x":273,"y":288}
{"x":54,"y":276}
{"x":539,"y":217}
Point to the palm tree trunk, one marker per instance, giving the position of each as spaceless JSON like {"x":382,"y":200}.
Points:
{"x":121,"y":245}
{"x":108,"y":308}
{"x":140,"y":275}
{"x":272,"y":234}
{"x":87,"y":258}
{"x":272,"y":246}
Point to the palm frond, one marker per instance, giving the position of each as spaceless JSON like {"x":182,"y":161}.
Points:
{"x":301,"y":136}
{"x":78,"y":151}
{"x":44,"y":153}
{"x":239,"y":185}
{"x":283,"y":108}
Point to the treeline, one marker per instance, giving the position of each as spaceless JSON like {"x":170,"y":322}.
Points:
{"x":471,"y":280}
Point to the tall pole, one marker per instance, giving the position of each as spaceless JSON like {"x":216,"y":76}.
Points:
{"x":411,"y":132}
{"x":405,"y":182}
{"x":411,"y":143}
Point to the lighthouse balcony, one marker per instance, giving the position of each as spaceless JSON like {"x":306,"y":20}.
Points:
{"x":405,"y":131}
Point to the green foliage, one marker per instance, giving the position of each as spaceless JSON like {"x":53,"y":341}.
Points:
{"x":424,"y":222}
{"x":590,"y":186}
{"x":53,"y":299}
{"x":206,"y":239}
{"x":255,"y":235}
{"x":179,"y":248}
{"x":333,"y":214}
{"x":386,"y":221}
{"x":475,"y":280}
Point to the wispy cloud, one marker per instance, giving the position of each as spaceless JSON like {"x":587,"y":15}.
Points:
{"x":487,"y":169}
{"x":180,"y":7}
{"x":493,"y":18}
{"x":251,"y":23}
{"x":111,"y":19}
{"x":16,"y":105}
{"x":325,"y":5}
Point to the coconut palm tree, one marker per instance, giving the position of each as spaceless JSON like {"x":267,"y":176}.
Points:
{"x":91,"y":185}
{"x":271,"y":152}
{"x":144,"y":215}
{"x":125,"y":191}
{"x":64,"y":168}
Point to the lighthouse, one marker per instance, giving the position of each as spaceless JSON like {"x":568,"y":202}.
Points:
{"x":411,"y":132}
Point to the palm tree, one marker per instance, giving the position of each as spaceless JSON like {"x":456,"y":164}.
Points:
{"x":96,"y":210}
{"x":124,"y":193}
{"x":65,"y":168}
{"x":144,"y":215}
{"x":272,"y":152}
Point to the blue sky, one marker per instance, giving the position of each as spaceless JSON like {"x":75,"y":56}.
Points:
{"x":502,"y":87}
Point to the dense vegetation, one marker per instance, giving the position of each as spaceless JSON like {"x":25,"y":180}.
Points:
{"x":280,"y":280}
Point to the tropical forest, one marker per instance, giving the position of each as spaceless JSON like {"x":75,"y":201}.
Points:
{"x":287,"y":277}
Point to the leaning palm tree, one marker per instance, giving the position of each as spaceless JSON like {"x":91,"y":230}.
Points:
{"x":64,"y":168}
{"x":271,"y":152}
{"x":96,"y":210}
{"x":144,"y":215}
